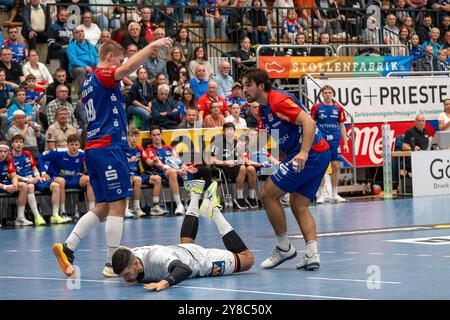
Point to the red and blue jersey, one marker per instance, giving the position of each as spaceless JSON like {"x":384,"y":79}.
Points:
{"x":105,"y":110}
{"x":165,"y":154}
{"x":292,"y":26}
{"x":59,"y":162}
{"x":6,"y":169}
{"x":328,"y":120}
{"x":24,"y":164}
{"x":18,"y":49}
{"x":279,"y":116}
{"x":140,"y":154}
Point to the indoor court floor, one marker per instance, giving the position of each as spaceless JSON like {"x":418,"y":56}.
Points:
{"x":398,"y":249}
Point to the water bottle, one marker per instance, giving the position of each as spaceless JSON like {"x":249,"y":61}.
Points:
{"x":229,"y":201}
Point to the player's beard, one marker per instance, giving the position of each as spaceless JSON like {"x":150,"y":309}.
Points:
{"x":249,"y":98}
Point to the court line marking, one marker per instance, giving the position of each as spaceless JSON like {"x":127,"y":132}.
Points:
{"x":351,"y":252}
{"x":376,"y":253}
{"x":353,"y":280}
{"x":192,"y":287}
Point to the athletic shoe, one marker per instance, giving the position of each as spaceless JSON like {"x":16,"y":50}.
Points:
{"x":179,"y":211}
{"x":309,"y":263}
{"x":210,"y":201}
{"x":128,"y":214}
{"x":39,"y":221}
{"x":278,"y":256}
{"x":157,"y":211}
{"x":253,"y":203}
{"x":22,"y":222}
{"x":320,"y":200}
{"x":138,"y":213}
{"x":108,"y":271}
{"x":240,"y":204}
{"x":65,"y":217}
{"x":338,"y":199}
{"x":65,"y":258}
{"x":57,"y":220}
{"x":195,"y":186}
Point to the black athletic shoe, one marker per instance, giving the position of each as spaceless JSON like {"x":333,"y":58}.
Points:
{"x":253,"y":203}
{"x":240,"y":203}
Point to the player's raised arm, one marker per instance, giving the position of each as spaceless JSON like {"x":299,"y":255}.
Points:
{"x":140,"y":57}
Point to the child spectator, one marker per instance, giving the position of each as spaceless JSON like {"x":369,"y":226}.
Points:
{"x":291,"y":26}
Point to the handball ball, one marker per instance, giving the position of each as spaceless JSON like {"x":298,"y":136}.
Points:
{"x":376,"y":189}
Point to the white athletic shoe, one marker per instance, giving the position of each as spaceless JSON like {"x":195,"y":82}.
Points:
{"x":65,"y":217}
{"x":108,"y":271}
{"x":128,"y":214}
{"x":179,"y":211}
{"x":138,"y":213}
{"x":310,"y":263}
{"x":278,"y":256}
{"x":157,"y":211}
{"x":22,"y":222}
{"x":320,"y":200}
{"x":338,"y":199}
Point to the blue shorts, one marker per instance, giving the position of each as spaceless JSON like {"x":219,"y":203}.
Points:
{"x":44,"y":186}
{"x":72,"y":182}
{"x":335,"y":152}
{"x":108,"y":174}
{"x":306,"y":182}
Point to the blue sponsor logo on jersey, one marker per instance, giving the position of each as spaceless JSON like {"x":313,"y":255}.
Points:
{"x":218,"y":268}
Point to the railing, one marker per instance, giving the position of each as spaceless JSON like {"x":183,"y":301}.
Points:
{"x":416,"y":73}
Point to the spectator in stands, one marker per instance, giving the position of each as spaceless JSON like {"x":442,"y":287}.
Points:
{"x":30,"y":132}
{"x":444,"y":27}
{"x":300,"y":39}
{"x":191,"y":119}
{"x":129,"y":80}
{"x":213,"y":17}
{"x":105,"y":36}
{"x":20,"y":97}
{"x":428,"y":62}
{"x":214,"y":119}
{"x":6,"y":93}
{"x":33,"y":97}
{"x":162,"y":52}
{"x":134,"y":36}
{"x":400,"y":14}
{"x":120,"y":33}
{"x":235,"y":118}
{"x":204,"y":102}
{"x":351,"y":19}
{"x":415,"y":50}
{"x":175,"y":61}
{"x":19,"y":50}
{"x":60,"y":78}
{"x":223,"y":79}
{"x":291,"y":26}
{"x":159,"y":79}
{"x":179,"y":84}
{"x":244,"y":55}
{"x":187,"y":101}
{"x":127,"y":10}
{"x":83,"y":58}
{"x":259,"y":21}
{"x":444,"y":117}
{"x":182,"y":41}
{"x":13,"y":70}
{"x":409,"y":24}
{"x":59,"y":131}
{"x":253,"y":115}
{"x":147,"y":26}
{"x":424,"y":29}
{"x":227,"y":153}
{"x":141,"y":96}
{"x":433,"y":41}
{"x":92,"y":32}
{"x":403,"y":38}
{"x":27,"y":174}
{"x":372,"y":34}
{"x":199,"y":83}
{"x":390,"y":30}
{"x":8,"y":4}
{"x":155,"y":65}
{"x":239,"y":24}
{"x":164,"y":111}
{"x":236,"y":97}
{"x":60,"y":101}
{"x":324,"y":39}
{"x":59,"y":36}
{"x":442,"y":60}
{"x":200,"y":58}
{"x":306,"y":16}
{"x":39,"y":70}
{"x":103,"y":14}
{"x":279,"y":14}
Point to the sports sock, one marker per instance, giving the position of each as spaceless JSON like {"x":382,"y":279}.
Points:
{"x":283,"y":241}
{"x":113,"y":233}
{"x":155,"y":200}
{"x":62,"y":207}
{"x":222,"y":224}
{"x":311,"y":248}
{"x":240,"y":193}
{"x":32,"y":203}
{"x":176,"y":197}
{"x":82,"y":228}
{"x":136,"y":204}
{"x":21,"y":212}
{"x":252,"y":193}
{"x":193,"y":204}
{"x":55,"y":209}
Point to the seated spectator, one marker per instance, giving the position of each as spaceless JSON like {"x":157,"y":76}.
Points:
{"x":147,"y":25}
{"x":401,"y":14}
{"x":214,"y":119}
{"x":236,"y":98}
{"x":135,"y":155}
{"x":6,"y":93}
{"x":409,"y":24}
{"x":164,"y":111}
{"x":404,"y":38}
{"x":60,"y":78}
{"x":281,"y":11}
{"x":390,"y":30}
{"x":444,"y":27}
{"x":213,"y":17}
{"x":200,"y":58}
{"x":83,"y":58}
{"x":169,"y":166}
{"x":59,"y":131}
{"x":199,"y":83}
{"x":442,"y":60}
{"x":179,"y":84}
{"x":162,"y":52}
{"x":13,"y":70}
{"x":134,"y":36}
{"x":103,"y":14}
{"x":243,"y":57}
{"x":428,"y":62}
{"x":447,"y":40}
{"x":415,"y":50}
{"x":253,"y":115}
{"x":239,"y":24}
{"x":27,"y":174}
{"x":191,"y":119}
{"x":257,"y":156}
{"x":235,"y":118}
{"x":204,"y":102}
{"x":259,"y":21}
{"x":141,"y":96}
{"x":424,"y":29}
{"x":18,"y":49}
{"x":175,"y":61}
{"x":91,"y":30}
{"x":415,"y":139}
{"x":223,"y":79}
{"x":182,"y":41}
{"x":305,"y":16}
{"x":60,"y":101}
{"x":372,"y":34}
{"x":128,"y":81}
{"x":291,"y":26}
{"x":59,"y":37}
{"x":228,"y":154}
{"x":155,"y":65}
{"x":159,"y":80}
{"x":30,"y":131}
{"x":33,"y":96}
{"x":433,"y":41}
{"x":39,"y":70}
{"x":66,"y":167}
{"x":324,"y":39}
{"x":300,"y":39}
{"x":105,"y":36}
{"x":19,"y":104}
{"x":444,"y":117}
{"x":187,"y":101}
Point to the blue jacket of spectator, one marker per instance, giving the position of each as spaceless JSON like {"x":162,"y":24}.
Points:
{"x":416,"y":53}
{"x":82,"y":54}
{"x":28,"y":109}
{"x":436,"y":46}
{"x":198,"y":87}
{"x":137,"y":93}
{"x":170,"y":120}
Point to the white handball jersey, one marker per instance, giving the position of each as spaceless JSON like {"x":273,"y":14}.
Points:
{"x":156,"y":260}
